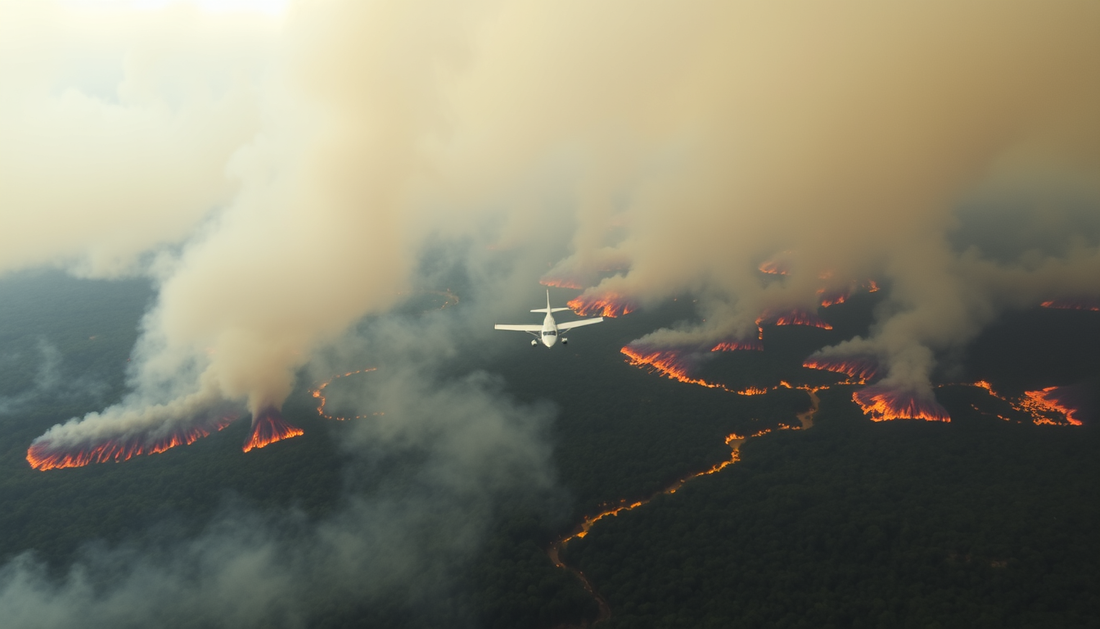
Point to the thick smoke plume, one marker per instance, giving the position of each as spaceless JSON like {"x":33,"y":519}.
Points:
{"x":280,"y":180}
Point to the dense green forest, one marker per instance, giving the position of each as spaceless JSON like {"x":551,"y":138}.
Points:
{"x":979,"y":522}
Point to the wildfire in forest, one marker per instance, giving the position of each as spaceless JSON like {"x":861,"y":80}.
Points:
{"x":774,"y":267}
{"x":43,"y":455}
{"x":734,"y":441}
{"x":561,"y":282}
{"x":732,"y":346}
{"x":268,"y":426}
{"x":319,"y":393}
{"x":861,"y":369}
{"x":839,"y":296}
{"x":606,"y":305}
{"x":1056,"y":400}
{"x":753,"y":391}
{"x":882,"y":404}
{"x":1073,"y":304}
{"x":1045,"y":407}
{"x":833,"y":298}
{"x":670,"y":363}
{"x":794,"y":317}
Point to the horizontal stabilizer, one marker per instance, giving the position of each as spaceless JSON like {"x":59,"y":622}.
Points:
{"x":551,"y":309}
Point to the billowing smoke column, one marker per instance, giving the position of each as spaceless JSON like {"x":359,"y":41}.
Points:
{"x":278,"y":179}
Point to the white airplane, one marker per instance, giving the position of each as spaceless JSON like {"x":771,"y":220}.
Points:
{"x":548,"y":331}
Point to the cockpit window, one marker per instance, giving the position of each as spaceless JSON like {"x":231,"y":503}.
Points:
{"x":549,"y":333}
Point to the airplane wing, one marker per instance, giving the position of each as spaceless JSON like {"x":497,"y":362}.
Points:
{"x":518,"y":328}
{"x":568,"y":325}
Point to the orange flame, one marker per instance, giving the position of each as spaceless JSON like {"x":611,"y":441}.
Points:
{"x":669,"y":363}
{"x":1045,"y":407}
{"x":561,"y":282}
{"x":871,"y":286}
{"x":734,"y":441}
{"x":753,"y":391}
{"x":42,"y":455}
{"x":268,"y":426}
{"x":1073,"y":304}
{"x":608,"y":305}
{"x":731,"y":346}
{"x":774,"y":267}
{"x":882,"y":404}
{"x":860,"y":368}
{"x":319,"y":393}
{"x":1052,"y":399}
{"x":794,"y":317}
{"x":832,"y":299}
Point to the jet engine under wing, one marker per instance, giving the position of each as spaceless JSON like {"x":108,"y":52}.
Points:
{"x":519,"y":328}
{"x":576,"y":324}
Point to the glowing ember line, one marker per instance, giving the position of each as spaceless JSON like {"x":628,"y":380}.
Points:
{"x":733,"y":346}
{"x":557,"y":282}
{"x":794,"y":317}
{"x":1073,"y":304}
{"x":319,"y":393}
{"x":669,"y":363}
{"x":268,"y":427}
{"x":608,"y":305}
{"x":832,"y":299}
{"x":1045,"y":407}
{"x":1051,"y":400}
{"x":881,"y":404}
{"x":43,"y":455}
{"x":734,"y":441}
{"x":861,"y":369}
{"x":774,"y":267}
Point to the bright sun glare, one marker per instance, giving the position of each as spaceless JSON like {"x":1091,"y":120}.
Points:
{"x":269,"y":7}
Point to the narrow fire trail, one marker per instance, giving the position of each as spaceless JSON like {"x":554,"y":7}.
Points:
{"x":319,"y":393}
{"x":554,"y":552}
{"x":1073,"y":304}
{"x":733,"y":440}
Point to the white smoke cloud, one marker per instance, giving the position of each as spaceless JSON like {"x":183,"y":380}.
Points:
{"x":299,"y":166}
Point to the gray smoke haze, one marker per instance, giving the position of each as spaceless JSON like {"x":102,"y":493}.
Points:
{"x":461,"y":445}
{"x":280,"y":179}
{"x":691,"y":142}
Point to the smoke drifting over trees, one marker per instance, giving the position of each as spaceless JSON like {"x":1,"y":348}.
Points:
{"x":278,"y":177}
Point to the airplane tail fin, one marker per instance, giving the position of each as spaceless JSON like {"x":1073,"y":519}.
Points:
{"x":548,"y":309}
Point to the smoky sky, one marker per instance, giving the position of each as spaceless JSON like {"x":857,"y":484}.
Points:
{"x":280,"y":177}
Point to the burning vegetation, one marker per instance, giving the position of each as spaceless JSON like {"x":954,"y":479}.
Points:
{"x":268,"y":426}
{"x":319,"y":394}
{"x":733,"y":346}
{"x":776,"y":266}
{"x":45,"y":455}
{"x":562,"y":282}
{"x":859,"y":370}
{"x":797,"y":316}
{"x":883,"y":404}
{"x":608,"y":305}
{"x":1073,"y":304}
{"x":671,"y":363}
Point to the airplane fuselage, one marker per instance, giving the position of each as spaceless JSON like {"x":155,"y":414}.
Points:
{"x":549,"y":334}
